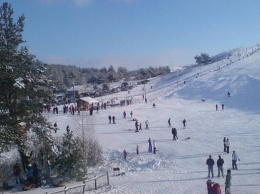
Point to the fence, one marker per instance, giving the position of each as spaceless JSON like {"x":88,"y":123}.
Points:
{"x":88,"y":185}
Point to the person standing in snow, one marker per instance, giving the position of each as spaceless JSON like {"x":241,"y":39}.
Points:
{"x":136,"y":125}
{"x":234,"y":160}
{"x":154,"y":147}
{"x":72,"y":110}
{"x":216,"y":107}
{"x":210,"y":162}
{"x":146,"y":124}
{"x":228,"y":182}
{"x":109,"y":118}
{"x":184,"y":123}
{"x":220,"y":163}
{"x":222,"y":106}
{"x":68,"y":128}
{"x":224,"y":143}
{"x":131,"y":114}
{"x":64,"y":109}
{"x":150,"y":148}
{"x":124,"y":114}
{"x":137,"y":149}
{"x":36,"y":175}
{"x":55,"y":127}
{"x":125,"y":154}
{"x":140,"y":127}
{"x":114,"y":119}
{"x":169,"y":122}
{"x":174,"y":133}
{"x":227,"y":145}
{"x":29,"y":174}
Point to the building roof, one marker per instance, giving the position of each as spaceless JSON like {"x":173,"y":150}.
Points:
{"x":76,"y":88}
{"x":89,"y":100}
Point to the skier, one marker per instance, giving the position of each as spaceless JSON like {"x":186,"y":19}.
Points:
{"x":216,"y":107}
{"x":109,"y":118}
{"x":124,"y":114}
{"x":137,"y":149}
{"x":136,"y":125}
{"x":228,"y":182}
{"x":153,"y":105}
{"x":125,"y":154}
{"x":131,"y":113}
{"x":222,"y":106}
{"x":227,"y":145}
{"x":113,"y":118}
{"x":228,"y":94}
{"x":184,"y":123}
{"x":220,"y":163}
{"x":210,"y":162}
{"x":146,"y":124}
{"x":154,"y":147}
{"x":234,"y":160}
{"x":150,"y":145}
{"x":174,"y":133}
{"x":169,"y":122}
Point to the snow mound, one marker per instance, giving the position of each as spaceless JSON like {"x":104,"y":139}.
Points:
{"x":135,"y":163}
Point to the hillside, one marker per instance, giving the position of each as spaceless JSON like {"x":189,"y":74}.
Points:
{"x":179,"y":166}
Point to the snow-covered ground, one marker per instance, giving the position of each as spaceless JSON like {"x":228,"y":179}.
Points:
{"x":179,"y":167}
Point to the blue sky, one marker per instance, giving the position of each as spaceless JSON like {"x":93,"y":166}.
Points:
{"x":135,"y":33}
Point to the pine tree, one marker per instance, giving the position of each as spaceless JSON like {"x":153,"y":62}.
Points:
{"x":23,"y":85}
{"x":70,"y":163}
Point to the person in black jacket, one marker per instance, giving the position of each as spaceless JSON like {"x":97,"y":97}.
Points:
{"x":210,"y":162}
{"x":220,"y":163}
{"x":36,"y":176}
{"x":174,"y":133}
{"x":109,"y":118}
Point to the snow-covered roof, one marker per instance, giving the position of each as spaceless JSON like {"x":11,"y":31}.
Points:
{"x":89,"y":100}
{"x":76,"y":88}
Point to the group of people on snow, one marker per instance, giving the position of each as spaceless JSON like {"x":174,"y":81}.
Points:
{"x":152,"y":146}
{"x":32,"y":176}
{"x":113,"y":118}
{"x":210,"y":162}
